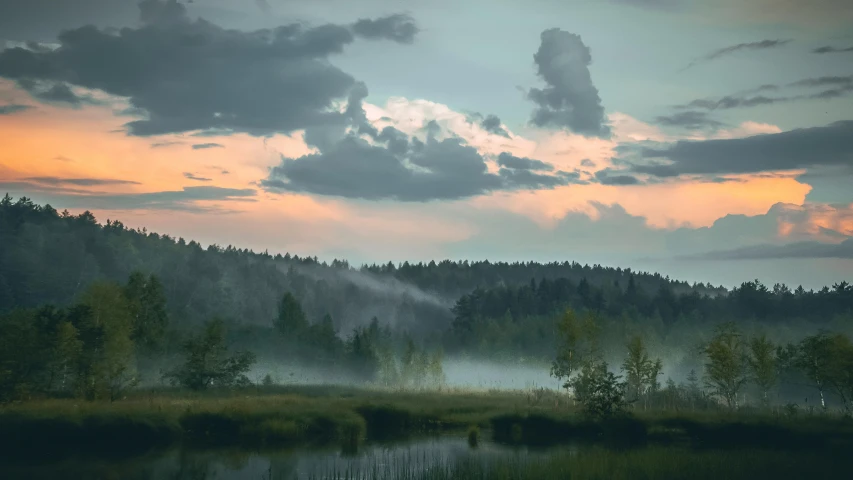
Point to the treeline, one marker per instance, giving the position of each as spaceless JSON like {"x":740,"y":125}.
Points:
{"x":49,"y":257}
{"x":94,"y":348}
{"x":738,"y":371}
{"x":86,"y":350}
{"x":519,"y":318}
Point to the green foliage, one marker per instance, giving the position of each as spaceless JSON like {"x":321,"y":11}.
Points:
{"x":576,"y":345}
{"x":726,"y":367}
{"x":107,"y":367}
{"x":599,"y":391}
{"x":641,"y":372}
{"x":813,"y":356}
{"x":67,"y":354}
{"x":763,"y":365}
{"x":207,"y":363}
{"x":291,"y":318}
{"x":147,"y":303}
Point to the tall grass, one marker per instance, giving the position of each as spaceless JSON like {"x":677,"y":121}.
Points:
{"x":344,"y":416}
{"x":598,"y":463}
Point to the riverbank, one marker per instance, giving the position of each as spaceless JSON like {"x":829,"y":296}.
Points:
{"x":347,"y":417}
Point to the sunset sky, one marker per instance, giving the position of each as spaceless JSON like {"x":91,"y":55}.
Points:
{"x":709,"y":140}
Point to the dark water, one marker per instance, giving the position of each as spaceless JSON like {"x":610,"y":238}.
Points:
{"x":233,"y":464}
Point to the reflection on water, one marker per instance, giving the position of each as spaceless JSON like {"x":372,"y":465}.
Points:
{"x":267,"y":465}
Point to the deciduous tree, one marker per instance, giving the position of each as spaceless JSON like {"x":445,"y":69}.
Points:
{"x":725,"y":369}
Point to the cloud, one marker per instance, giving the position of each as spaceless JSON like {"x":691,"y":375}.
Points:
{"x":492,"y":124}
{"x":570,"y":100}
{"x":729,"y":102}
{"x":609,"y":176}
{"x":165,"y":143}
{"x":261,"y":82}
{"x":191,"y":176}
{"x":12,"y":108}
{"x":824,"y":81}
{"x":840,"y":86}
{"x":508,"y":160}
{"x":55,"y":93}
{"x":809,"y":249}
{"x":795,"y":149}
{"x":652,"y":4}
{"x":403,"y":169}
{"x":692,"y":120}
{"x":823,"y":15}
{"x":203,"y":146}
{"x":829,"y":49}
{"x":399,"y":28}
{"x":264,"y":6}
{"x":376,"y":163}
{"x":41,"y":20}
{"x":80,"y":182}
{"x":716,"y":54}
{"x":187,"y":199}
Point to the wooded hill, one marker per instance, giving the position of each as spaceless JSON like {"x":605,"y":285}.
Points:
{"x":48,"y":257}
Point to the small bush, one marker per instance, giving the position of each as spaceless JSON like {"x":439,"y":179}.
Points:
{"x":473,"y":436}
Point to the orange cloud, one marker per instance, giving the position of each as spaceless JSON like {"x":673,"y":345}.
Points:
{"x":665,"y":205}
{"x":821,"y":222}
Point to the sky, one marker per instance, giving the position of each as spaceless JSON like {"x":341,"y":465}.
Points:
{"x":711,"y":141}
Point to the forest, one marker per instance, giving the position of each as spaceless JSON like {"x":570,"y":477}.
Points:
{"x":70,"y":287}
{"x":108,"y":332}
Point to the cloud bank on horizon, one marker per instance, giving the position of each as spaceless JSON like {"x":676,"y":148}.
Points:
{"x":277,"y":125}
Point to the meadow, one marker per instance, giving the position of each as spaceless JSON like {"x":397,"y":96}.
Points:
{"x":346,"y":417}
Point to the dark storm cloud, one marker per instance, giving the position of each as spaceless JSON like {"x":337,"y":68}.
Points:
{"x":828,"y":49}
{"x":192,"y":176}
{"x":397,"y":166}
{"x":42,"y":20}
{"x":830,"y":145}
{"x":55,"y":93}
{"x":809,"y":249}
{"x":399,"y":28}
{"x":162,"y":11}
{"x":762,"y":45}
{"x":613,"y":177}
{"x":492,"y":124}
{"x":587,"y":163}
{"x":353,"y":168}
{"x":203,"y":146}
{"x":570,"y":100}
{"x":402,"y":169}
{"x":690,"y":119}
{"x":80,"y":182}
{"x":508,"y":160}
{"x":274,"y":80}
{"x":11,"y":108}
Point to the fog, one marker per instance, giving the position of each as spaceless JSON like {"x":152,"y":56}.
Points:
{"x":478,"y":374}
{"x":383,"y":285}
{"x":460,"y":373}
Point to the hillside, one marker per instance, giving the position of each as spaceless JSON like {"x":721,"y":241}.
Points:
{"x":50,"y":257}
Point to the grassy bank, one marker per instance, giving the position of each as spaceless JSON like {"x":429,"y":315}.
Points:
{"x":307,"y":416}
